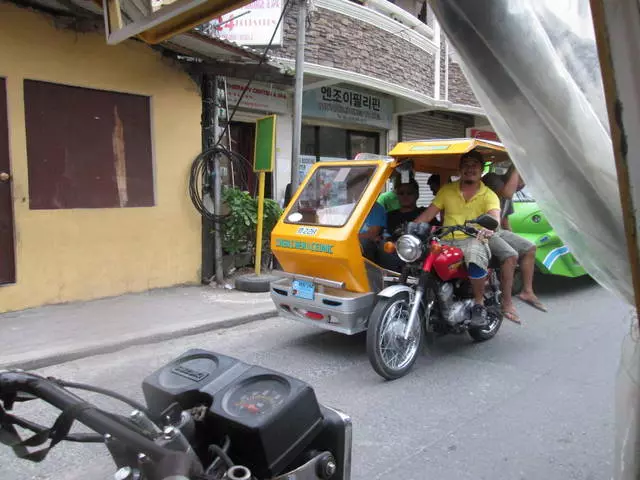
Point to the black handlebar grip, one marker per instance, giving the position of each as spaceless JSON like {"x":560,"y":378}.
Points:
{"x":12,"y":382}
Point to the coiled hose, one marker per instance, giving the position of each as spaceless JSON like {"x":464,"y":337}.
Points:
{"x":202,"y":176}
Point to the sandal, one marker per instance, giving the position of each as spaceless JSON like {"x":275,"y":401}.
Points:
{"x":512,"y":316}
{"x":537,"y":304}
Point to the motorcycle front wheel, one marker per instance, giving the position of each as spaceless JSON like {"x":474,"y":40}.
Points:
{"x":390,"y":355}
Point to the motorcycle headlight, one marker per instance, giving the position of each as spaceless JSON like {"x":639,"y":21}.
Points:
{"x":409,"y":248}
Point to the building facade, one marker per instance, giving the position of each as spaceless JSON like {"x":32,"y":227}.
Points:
{"x":376,"y":72}
{"x":96,"y":146}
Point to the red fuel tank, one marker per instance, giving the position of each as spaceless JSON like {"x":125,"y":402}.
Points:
{"x":449,"y":263}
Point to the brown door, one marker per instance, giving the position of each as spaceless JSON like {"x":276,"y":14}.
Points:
{"x":242,"y":142}
{"x":7,"y":256}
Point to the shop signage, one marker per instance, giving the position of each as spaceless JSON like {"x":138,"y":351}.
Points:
{"x":260,"y":96}
{"x":349,"y":106}
{"x":482,"y":134}
{"x":252,"y":24}
{"x":304,"y":165}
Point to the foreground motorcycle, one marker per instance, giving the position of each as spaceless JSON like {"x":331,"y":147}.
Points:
{"x":208,"y":416}
{"x":433,"y":296}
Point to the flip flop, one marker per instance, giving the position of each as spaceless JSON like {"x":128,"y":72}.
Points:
{"x":537,"y":304}
{"x":512,"y":316}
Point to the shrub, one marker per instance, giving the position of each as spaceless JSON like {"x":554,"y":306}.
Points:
{"x":239,"y":227}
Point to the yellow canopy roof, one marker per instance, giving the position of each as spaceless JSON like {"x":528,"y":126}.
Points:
{"x":443,"y":155}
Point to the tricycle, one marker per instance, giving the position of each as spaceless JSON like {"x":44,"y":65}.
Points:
{"x":329,"y":281}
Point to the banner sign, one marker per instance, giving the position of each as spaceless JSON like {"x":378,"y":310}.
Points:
{"x":349,"y":105}
{"x":252,"y":24}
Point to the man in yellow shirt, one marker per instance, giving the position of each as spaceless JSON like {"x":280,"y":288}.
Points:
{"x":466,"y":199}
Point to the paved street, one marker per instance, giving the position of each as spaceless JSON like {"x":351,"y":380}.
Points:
{"x":534,"y":403}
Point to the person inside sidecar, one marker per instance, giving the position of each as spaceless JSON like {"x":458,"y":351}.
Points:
{"x":408,"y":211}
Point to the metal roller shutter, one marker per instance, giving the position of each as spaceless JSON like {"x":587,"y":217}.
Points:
{"x":427,"y":125}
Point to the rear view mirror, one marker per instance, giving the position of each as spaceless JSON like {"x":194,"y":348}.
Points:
{"x":486,"y":221}
{"x":287,"y":195}
{"x":420,"y":229}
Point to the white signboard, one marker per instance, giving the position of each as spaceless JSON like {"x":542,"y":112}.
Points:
{"x":252,"y":28}
{"x":349,"y":105}
{"x":260,"y":96}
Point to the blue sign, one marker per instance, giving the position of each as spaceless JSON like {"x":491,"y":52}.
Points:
{"x":349,"y":105}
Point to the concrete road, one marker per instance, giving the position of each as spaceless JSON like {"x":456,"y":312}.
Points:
{"x":536,"y":402}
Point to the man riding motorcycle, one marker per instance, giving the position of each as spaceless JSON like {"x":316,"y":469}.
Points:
{"x":464,"y":200}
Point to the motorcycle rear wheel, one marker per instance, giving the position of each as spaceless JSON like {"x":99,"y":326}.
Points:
{"x":389,"y":354}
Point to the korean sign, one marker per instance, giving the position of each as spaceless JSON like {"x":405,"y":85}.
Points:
{"x":252,"y":24}
{"x":349,"y":105}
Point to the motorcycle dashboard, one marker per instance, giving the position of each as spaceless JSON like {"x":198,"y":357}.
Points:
{"x":251,"y":405}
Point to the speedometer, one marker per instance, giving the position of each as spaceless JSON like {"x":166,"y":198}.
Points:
{"x":258,"y":396}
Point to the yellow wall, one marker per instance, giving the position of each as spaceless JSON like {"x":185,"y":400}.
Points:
{"x":65,"y":255}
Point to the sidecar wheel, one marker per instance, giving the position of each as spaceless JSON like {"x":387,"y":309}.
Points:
{"x":389,"y":354}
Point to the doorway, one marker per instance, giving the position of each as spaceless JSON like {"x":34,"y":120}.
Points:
{"x":330,"y":143}
{"x":7,"y":246}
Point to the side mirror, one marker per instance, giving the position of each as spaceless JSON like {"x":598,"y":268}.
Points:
{"x":420,"y":230}
{"x":287,"y":195}
{"x":486,"y":221}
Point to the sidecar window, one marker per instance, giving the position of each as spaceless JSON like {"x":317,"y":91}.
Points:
{"x":330,"y":196}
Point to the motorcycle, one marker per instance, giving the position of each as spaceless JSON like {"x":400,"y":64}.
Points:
{"x":207,"y":416}
{"x":433,"y":296}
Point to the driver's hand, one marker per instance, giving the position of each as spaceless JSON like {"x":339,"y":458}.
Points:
{"x":485,"y":233}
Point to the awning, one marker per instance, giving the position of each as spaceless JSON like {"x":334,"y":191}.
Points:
{"x":193,"y":47}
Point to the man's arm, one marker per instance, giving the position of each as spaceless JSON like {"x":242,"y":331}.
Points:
{"x":428,"y":215}
{"x":495,"y":213}
{"x":511,"y":186}
{"x":506,"y":225}
{"x":493,"y":206}
{"x":372,"y":233}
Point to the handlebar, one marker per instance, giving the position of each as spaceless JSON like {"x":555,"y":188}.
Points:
{"x":138,"y":443}
{"x":466,"y":229}
{"x":12,"y":382}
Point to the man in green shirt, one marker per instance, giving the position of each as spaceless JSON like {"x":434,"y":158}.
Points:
{"x":389,"y":200}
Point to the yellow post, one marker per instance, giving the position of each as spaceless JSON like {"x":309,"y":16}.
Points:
{"x":260,"y":221}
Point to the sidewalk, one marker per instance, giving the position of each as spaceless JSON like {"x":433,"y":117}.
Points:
{"x":54,"y":334}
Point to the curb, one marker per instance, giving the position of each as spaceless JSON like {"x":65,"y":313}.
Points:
{"x":57,"y":358}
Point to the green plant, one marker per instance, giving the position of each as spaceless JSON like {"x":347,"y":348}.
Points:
{"x":239,"y":227}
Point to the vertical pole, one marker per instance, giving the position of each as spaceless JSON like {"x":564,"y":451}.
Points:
{"x":208,"y":140}
{"x":261,"y":178}
{"x":437,"y":79}
{"x":297,"y":99}
{"x":217,"y":186}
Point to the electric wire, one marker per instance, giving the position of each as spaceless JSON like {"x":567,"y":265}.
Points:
{"x":202,"y":176}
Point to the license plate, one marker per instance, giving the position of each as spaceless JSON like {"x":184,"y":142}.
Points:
{"x":302,"y":289}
